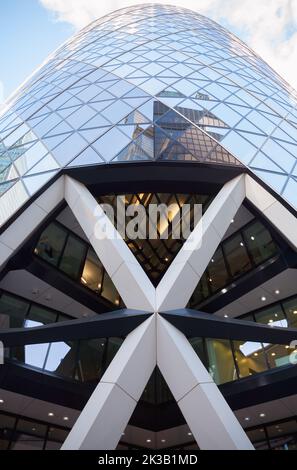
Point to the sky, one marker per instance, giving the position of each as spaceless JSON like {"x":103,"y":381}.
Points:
{"x":31,"y":29}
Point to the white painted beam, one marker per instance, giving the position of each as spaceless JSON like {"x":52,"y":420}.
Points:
{"x":107,"y":413}
{"x":20,"y":230}
{"x":207,"y":413}
{"x":274,"y":211}
{"x":184,"y":273}
{"x":129,"y":278}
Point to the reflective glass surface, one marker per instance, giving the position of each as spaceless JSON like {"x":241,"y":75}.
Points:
{"x":148,"y":82}
{"x":74,"y":257}
{"x":237,"y":255}
{"x":22,"y":433}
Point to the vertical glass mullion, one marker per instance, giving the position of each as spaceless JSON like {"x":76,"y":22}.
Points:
{"x":235,"y":359}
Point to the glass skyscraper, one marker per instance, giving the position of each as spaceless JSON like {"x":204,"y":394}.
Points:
{"x":139,"y":343}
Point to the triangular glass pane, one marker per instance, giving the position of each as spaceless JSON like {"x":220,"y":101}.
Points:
{"x":8,"y":173}
{"x":34,"y":183}
{"x":276,"y":181}
{"x":46,"y":164}
{"x":290,"y":192}
{"x":5,"y":186}
{"x":132,"y":152}
{"x":261,"y":162}
{"x":87,"y":157}
{"x":92,"y":134}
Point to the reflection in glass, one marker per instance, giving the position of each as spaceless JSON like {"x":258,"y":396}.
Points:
{"x":51,"y":243}
{"x":92,"y":272}
{"x":12,"y":311}
{"x":73,"y":255}
{"x":221,"y":362}
{"x":61,"y":358}
{"x":237,"y":256}
{"x":7,"y":424}
{"x":28,"y":435}
{"x":250,"y":358}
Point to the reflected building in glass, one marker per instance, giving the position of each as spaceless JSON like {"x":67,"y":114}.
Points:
{"x":160,"y":106}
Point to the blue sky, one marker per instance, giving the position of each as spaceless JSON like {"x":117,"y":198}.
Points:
{"x":28,"y":33}
{"x":31,"y":29}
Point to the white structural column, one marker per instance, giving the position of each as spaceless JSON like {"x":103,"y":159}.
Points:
{"x":184,"y":273}
{"x":107,"y":413}
{"x":19,"y":231}
{"x":131,"y":281}
{"x":207,"y":413}
{"x":275,"y":212}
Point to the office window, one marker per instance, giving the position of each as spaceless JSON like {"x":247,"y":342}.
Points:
{"x":250,"y":358}
{"x":7,"y":424}
{"x":12,"y":311}
{"x":237,"y":257}
{"x":73,"y":255}
{"x":273,"y":316}
{"x":28,"y":435}
{"x":259,"y":242}
{"x":92,"y":272}
{"x":51,"y":243}
{"x":221,"y":363}
{"x":290,"y":308}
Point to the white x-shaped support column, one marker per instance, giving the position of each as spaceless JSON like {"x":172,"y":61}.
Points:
{"x":155,"y":342}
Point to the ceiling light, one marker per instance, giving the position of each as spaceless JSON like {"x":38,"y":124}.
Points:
{"x":212,"y":260}
{"x":263,"y":299}
{"x":99,"y":286}
{"x":1,"y":401}
{"x":241,"y":244}
{"x":148,"y":440}
{"x":295,"y":312}
{"x":287,"y":347}
{"x":33,"y":429}
{"x":226,"y":316}
{"x":253,"y":239}
{"x":83,"y":280}
{"x":256,"y":354}
{"x":65,"y":418}
{"x":277,"y":292}
{"x":247,"y":418}
{"x":232,"y":221}
{"x":262,"y":415}
{"x":270,"y":321}
{"x":273,"y":354}
{"x":163,"y":440}
{"x":224,"y":291}
{"x":117,"y":302}
{"x":166,"y":259}
{"x":50,"y":414}
{"x":190,"y":434}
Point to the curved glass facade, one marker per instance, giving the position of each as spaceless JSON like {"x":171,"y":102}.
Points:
{"x":147,"y":83}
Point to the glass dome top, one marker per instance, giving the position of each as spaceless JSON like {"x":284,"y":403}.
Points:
{"x":148,"y":83}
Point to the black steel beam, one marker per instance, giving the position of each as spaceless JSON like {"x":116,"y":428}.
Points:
{"x":117,"y":323}
{"x":198,"y":324}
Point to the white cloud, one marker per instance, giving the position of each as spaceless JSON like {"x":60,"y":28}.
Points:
{"x":269,"y":27}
